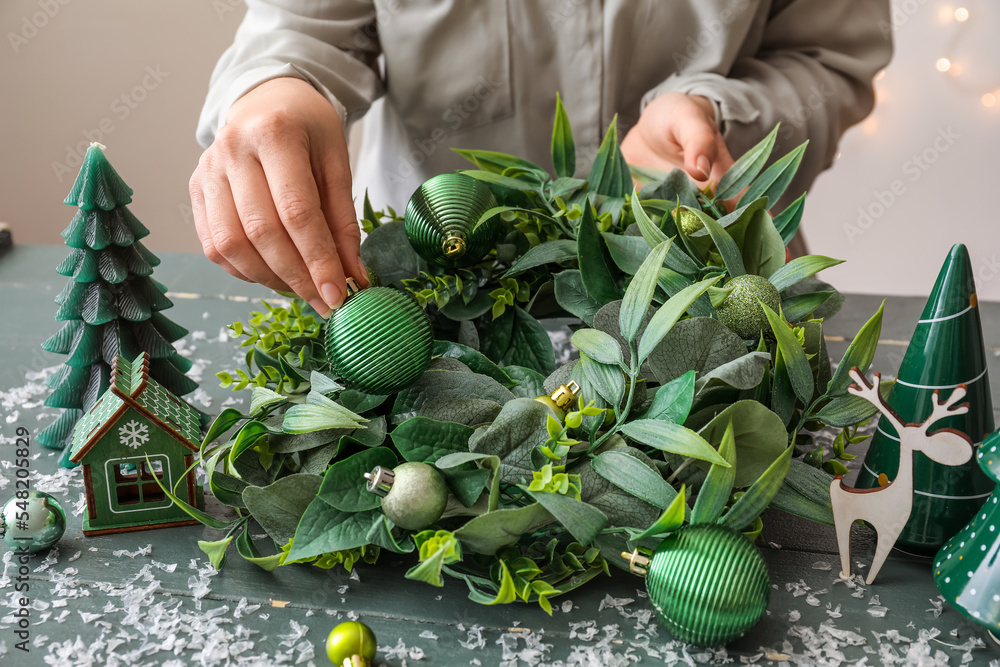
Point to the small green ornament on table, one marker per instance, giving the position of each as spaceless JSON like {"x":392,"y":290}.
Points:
{"x":351,"y":644}
{"x":32,"y":523}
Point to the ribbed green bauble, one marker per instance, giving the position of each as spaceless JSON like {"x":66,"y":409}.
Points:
{"x":32,"y":523}
{"x":441,"y":219}
{"x":741,"y":312}
{"x":707,"y":583}
{"x":379,"y":341}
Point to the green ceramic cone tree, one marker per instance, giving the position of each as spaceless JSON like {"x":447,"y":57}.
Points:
{"x":946,"y":350}
{"x":111,"y":305}
{"x":964,"y":569}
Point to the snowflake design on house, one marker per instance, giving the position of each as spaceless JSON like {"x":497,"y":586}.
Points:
{"x":133,"y":434}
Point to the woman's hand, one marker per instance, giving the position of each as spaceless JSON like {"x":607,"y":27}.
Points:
{"x":272,"y":195}
{"x":678,"y":130}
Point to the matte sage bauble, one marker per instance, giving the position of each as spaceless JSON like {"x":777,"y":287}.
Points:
{"x":441,"y":219}
{"x":707,"y":583}
{"x":414,"y":494}
{"x":379,"y":341}
{"x":741,"y":310}
{"x":33,"y":523}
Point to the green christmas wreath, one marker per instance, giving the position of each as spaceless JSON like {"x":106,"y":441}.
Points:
{"x":703,"y":379}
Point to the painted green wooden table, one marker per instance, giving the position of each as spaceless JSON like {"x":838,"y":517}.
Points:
{"x":150,"y":598}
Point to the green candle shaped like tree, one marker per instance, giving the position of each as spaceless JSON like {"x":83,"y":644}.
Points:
{"x":111,"y":305}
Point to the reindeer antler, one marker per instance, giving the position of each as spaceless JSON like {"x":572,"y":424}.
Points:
{"x":870,"y":392}
{"x":945,"y":409}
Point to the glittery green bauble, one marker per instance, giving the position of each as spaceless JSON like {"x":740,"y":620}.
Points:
{"x":708,"y":584}
{"x":350,"y":639}
{"x":741,"y":312}
{"x":417,"y":498}
{"x":379,"y":341}
{"x":441,"y":219}
{"x":33,"y":523}
{"x":689,"y":221}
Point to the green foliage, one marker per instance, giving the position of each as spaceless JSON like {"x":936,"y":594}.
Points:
{"x":678,"y":419}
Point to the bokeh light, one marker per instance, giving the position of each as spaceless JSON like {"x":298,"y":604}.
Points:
{"x":943,"y":65}
{"x":961,"y":14}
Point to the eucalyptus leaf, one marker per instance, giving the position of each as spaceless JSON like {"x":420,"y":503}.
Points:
{"x":560,"y":250}
{"x":584,"y":522}
{"x":671,"y":519}
{"x":609,"y":381}
{"x":323,"y":529}
{"x":426,"y":440}
{"x":760,"y":494}
{"x":573,"y":296}
{"x":387,"y":251}
{"x":701,"y":344}
{"x":743,"y":373}
{"x":639,"y":294}
{"x":319,"y":414}
{"x":718,"y":486}
{"x":563,"y":148}
{"x":845,"y":411}
{"x":487,"y":533}
{"x":594,"y":270}
{"x":627,"y":252}
{"x":446,"y":385}
{"x":263,"y":397}
{"x":799,"y":307}
{"x":530,"y":383}
{"x":518,"y":429}
{"x":787,"y":222}
{"x":530,"y":344}
{"x":322,"y":383}
{"x":746,"y":168}
{"x":674,"y":186}
{"x":652,"y":234}
{"x":760,"y":438}
{"x":859,"y":354}
{"x":373,"y":433}
{"x":668,"y":314}
{"x":799,"y":268}
{"x":597,"y":345}
{"x":490,"y":462}
{"x":674,"y":438}
{"x":496,"y":179}
{"x":475,"y":360}
{"x":380,"y":534}
{"x":468,"y":411}
{"x":344,"y":484}
{"x":635,"y":477}
{"x":622,"y":508}
{"x":497,"y":163}
{"x":360,"y":402}
{"x":610,"y":174}
{"x":762,"y":250}
{"x":776,"y":178}
{"x":278,"y":507}
{"x":799,"y":371}
{"x":672,"y":401}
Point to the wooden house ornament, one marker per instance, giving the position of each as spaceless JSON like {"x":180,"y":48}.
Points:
{"x":137,"y":419}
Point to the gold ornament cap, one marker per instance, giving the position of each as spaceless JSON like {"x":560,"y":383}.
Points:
{"x":565,"y":393}
{"x":638,"y":561}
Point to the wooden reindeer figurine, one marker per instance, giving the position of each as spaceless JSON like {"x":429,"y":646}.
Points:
{"x":887,"y":508}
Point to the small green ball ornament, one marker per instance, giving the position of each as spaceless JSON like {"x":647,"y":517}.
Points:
{"x":351,"y":644}
{"x":740,"y":311}
{"x":441,"y":219}
{"x":707,"y":583}
{"x":33,"y":523}
{"x":414,"y":494}
{"x":380,"y":340}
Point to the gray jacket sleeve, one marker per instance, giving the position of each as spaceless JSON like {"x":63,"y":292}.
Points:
{"x":332,"y":45}
{"x":812,"y":72}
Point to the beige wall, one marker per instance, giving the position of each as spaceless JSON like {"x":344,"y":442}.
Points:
{"x":68,"y":79}
{"x":65,"y":83}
